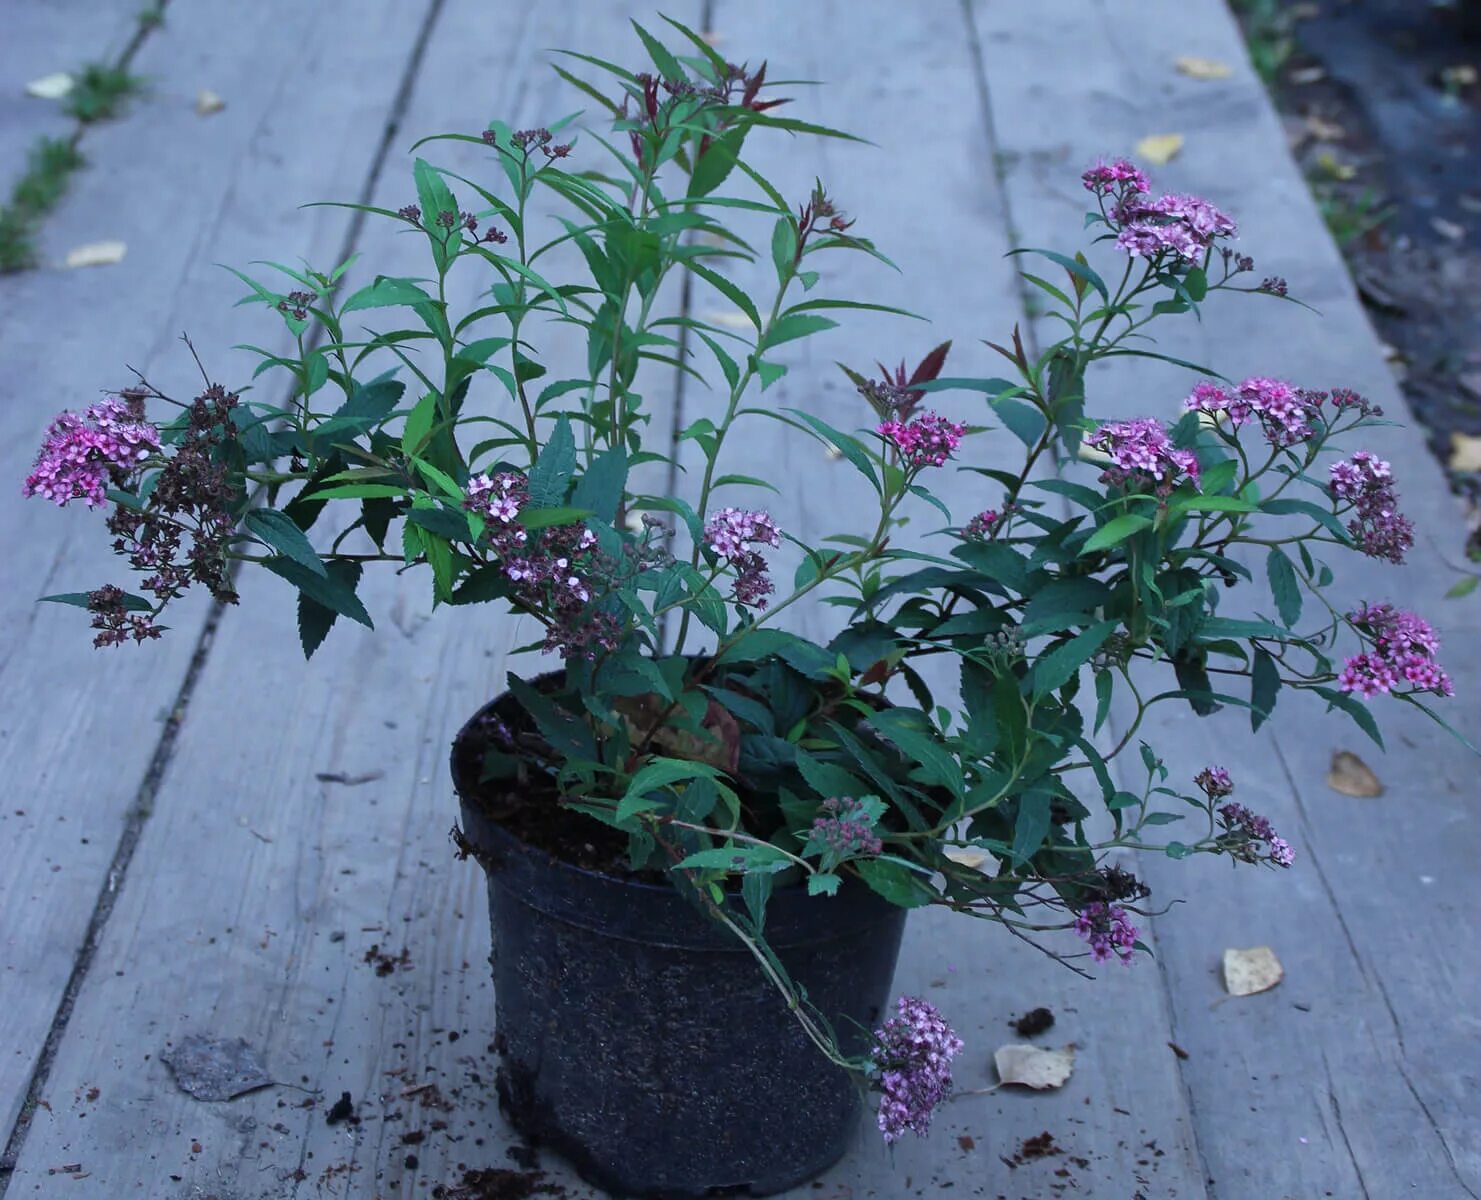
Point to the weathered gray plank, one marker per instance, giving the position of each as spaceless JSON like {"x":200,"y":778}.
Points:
{"x":928,"y":195}
{"x":273,"y":947}
{"x":43,"y":36}
{"x":79,"y":727}
{"x":1361,"y":1090}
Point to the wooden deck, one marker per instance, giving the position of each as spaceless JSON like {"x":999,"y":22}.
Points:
{"x":173,"y":859}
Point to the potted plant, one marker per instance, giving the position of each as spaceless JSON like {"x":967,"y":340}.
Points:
{"x":702,"y":831}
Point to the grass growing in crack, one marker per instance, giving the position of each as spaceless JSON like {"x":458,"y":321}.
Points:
{"x":99,"y":92}
{"x":1350,"y":217}
{"x":49,"y":168}
{"x":1267,"y":30}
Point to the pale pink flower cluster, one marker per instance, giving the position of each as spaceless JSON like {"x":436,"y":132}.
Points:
{"x":1116,"y":177}
{"x":1183,"y":226}
{"x":1379,"y":529}
{"x":1142,"y":452}
{"x":1108,"y":930}
{"x":730,"y":533}
{"x":927,"y":440}
{"x":1284,"y":411}
{"x":1404,"y":649}
{"x":83,"y":456}
{"x":912,"y":1059}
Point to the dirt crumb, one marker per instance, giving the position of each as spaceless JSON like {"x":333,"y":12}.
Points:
{"x":497,"y":1183}
{"x":1035,"y":1021}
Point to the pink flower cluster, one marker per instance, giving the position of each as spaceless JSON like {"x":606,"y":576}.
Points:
{"x":1108,"y":930}
{"x":84,"y":456}
{"x":1142,"y":453}
{"x":1404,"y":649}
{"x":1240,"y":820}
{"x":846,"y":829}
{"x":1152,"y":226}
{"x":1184,"y":226}
{"x":550,"y":572}
{"x":1115,"y":179}
{"x":1284,"y":412}
{"x":924,"y":441}
{"x":985,"y":525}
{"x":730,"y":533}
{"x":1214,"y":781}
{"x":1379,"y":529}
{"x":912,"y":1056}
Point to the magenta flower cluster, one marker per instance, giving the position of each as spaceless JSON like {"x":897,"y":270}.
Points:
{"x":1255,"y":829}
{"x":731,"y":533}
{"x":1142,"y":453}
{"x":551,"y":572}
{"x":1150,"y":227}
{"x":1284,"y":412}
{"x":985,"y":525}
{"x":83,"y":456}
{"x":846,"y":830}
{"x":912,"y":1056}
{"x":1378,"y":528}
{"x":1108,"y":930}
{"x":1403,"y":651}
{"x":927,"y":440}
{"x":1214,"y":781}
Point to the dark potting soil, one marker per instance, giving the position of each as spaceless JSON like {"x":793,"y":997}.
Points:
{"x":532,"y":811}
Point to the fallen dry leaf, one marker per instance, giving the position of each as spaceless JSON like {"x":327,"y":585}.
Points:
{"x":1249,"y":971}
{"x":1160,"y":149}
{"x":1203,"y":68}
{"x":1324,"y":131}
{"x":50,"y":87}
{"x":1351,"y":776}
{"x":1334,"y":168}
{"x":96,"y":254}
{"x":1459,"y":76}
{"x":208,"y":102}
{"x":1307,"y":75}
{"x":1448,"y":229}
{"x":1465,"y":452}
{"x":964,"y":855}
{"x":1034,"y":1066}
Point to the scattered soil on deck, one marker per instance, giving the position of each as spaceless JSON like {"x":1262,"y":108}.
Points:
{"x":1035,"y":1021}
{"x":497,"y":1183}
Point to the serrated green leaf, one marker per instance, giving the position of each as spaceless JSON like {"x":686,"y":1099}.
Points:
{"x":550,"y":477}
{"x":280,"y":532}
{"x":1285,"y":586}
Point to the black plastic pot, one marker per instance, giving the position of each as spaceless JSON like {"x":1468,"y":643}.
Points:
{"x":641,"y":1042}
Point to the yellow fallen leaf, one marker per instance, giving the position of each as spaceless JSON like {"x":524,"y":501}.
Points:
{"x":965,"y":855}
{"x":1465,"y":452}
{"x":1034,"y":1066}
{"x":96,"y":254}
{"x":1160,"y":149}
{"x":1351,"y":776}
{"x":208,"y":102}
{"x":1324,"y":131}
{"x":50,"y":87}
{"x":1203,"y":68}
{"x":1249,"y":971}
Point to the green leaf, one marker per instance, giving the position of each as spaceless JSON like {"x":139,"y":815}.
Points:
{"x":314,"y":619}
{"x":551,"y":474}
{"x":280,"y":532}
{"x":330,"y":591}
{"x":544,"y":518}
{"x":905,"y":730}
{"x":1114,"y":531}
{"x":80,"y":600}
{"x":659,"y":773}
{"x":386,"y":292}
{"x":1285,"y":586}
{"x":727,"y":289}
{"x":798,"y":325}
{"x":1031,"y":824}
{"x":1077,"y":269}
{"x":717,"y":162}
{"x":419,"y":424}
{"x":850,"y":447}
{"x":1356,"y":709}
{"x":1463,"y":586}
{"x":1023,"y":421}
{"x":783,"y":246}
{"x":1105,"y":684}
{"x":600,"y":489}
{"x":893,"y":882}
{"x":1060,"y":665}
{"x":823,"y":885}
{"x":1264,"y":684}
{"x":366,"y":491}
